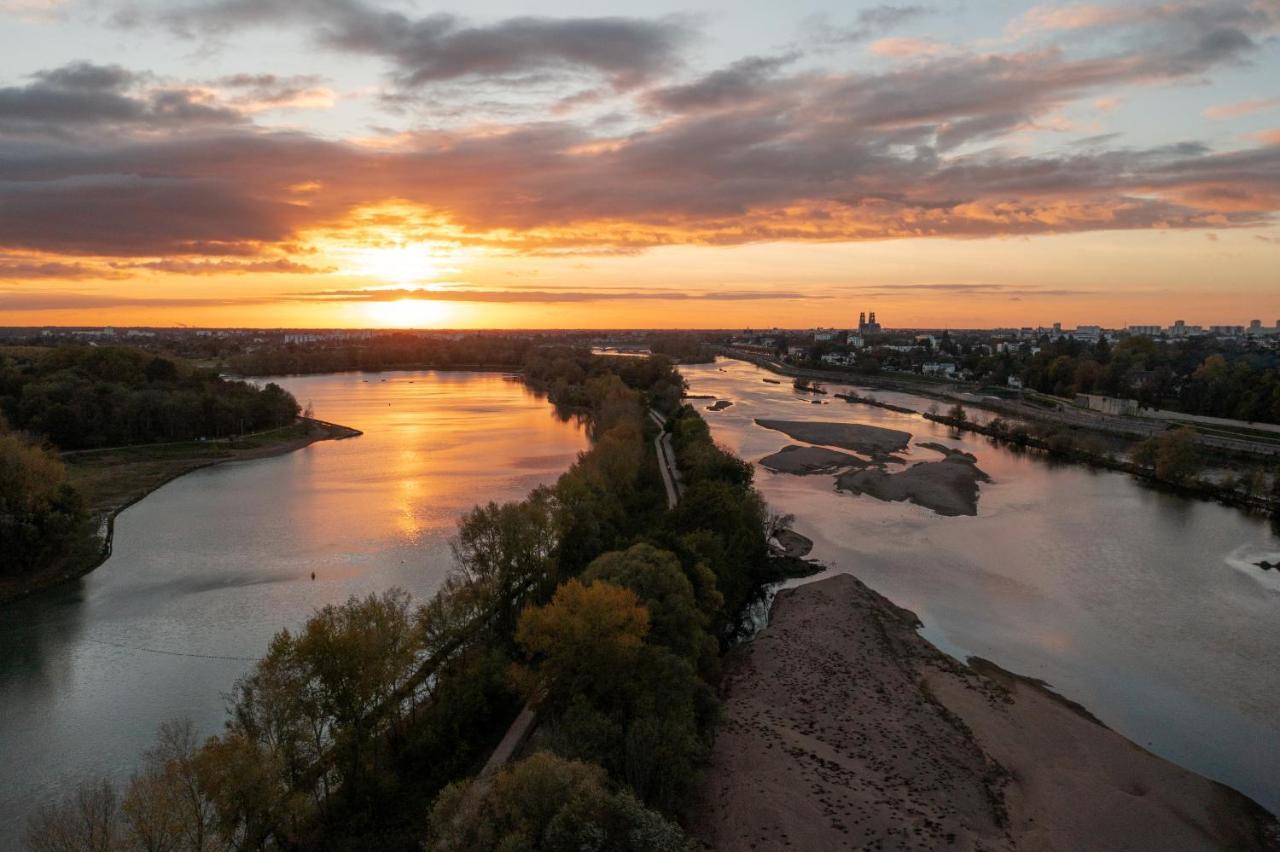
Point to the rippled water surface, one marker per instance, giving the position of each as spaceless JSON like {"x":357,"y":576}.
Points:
{"x":207,"y":568}
{"x":1146,"y":607}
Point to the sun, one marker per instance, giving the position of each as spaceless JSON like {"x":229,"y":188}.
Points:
{"x":407,"y":313}
{"x":404,"y":263}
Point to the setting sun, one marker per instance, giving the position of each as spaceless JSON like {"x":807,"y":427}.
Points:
{"x":407,"y":313}
{"x":405,"y":263}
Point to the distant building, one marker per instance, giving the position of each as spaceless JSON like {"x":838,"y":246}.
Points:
{"x":868,"y":324}
{"x":939,"y":368}
{"x":1107,"y":404}
{"x":1014,"y":382}
{"x":1146,"y":330}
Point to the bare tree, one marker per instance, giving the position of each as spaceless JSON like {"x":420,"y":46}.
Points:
{"x":86,"y":820}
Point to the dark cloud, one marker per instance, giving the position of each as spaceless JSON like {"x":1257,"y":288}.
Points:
{"x":443,"y":47}
{"x":869,"y":23}
{"x":228,"y":267}
{"x":27,"y":269}
{"x":736,"y":85}
{"x":84,"y":97}
{"x":753,"y":152}
{"x":53,"y":301}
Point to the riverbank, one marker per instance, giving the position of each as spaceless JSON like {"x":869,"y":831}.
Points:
{"x":1068,"y":441}
{"x":844,"y":728}
{"x":1252,"y":447}
{"x":1062,"y":447}
{"x":113,"y":479}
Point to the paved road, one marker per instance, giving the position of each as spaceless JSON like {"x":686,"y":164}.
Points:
{"x":667,"y":460}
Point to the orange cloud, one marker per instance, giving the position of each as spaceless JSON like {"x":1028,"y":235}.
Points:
{"x":903,"y":47}
{"x":1235,"y":110}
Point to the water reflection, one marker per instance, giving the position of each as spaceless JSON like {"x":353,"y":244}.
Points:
{"x":205,"y":570}
{"x":1124,"y":596}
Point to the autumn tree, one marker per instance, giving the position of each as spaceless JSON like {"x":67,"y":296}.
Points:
{"x":1172,"y":455}
{"x":582,"y":642}
{"x":41,"y":514}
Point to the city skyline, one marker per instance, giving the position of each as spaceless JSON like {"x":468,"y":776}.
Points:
{"x":372,"y":163}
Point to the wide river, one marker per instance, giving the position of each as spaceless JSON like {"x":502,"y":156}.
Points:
{"x":210,"y":566}
{"x":1143,"y":606}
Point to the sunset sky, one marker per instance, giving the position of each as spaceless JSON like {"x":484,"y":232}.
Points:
{"x":309,"y":163}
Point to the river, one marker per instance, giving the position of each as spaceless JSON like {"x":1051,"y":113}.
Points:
{"x":1143,"y":606}
{"x":206,"y":569}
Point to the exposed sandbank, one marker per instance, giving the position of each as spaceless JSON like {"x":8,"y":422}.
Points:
{"x":719,"y":405}
{"x":803,"y":461}
{"x":869,"y":440}
{"x":845,"y":729}
{"x":948,"y":487}
{"x":792,"y":544}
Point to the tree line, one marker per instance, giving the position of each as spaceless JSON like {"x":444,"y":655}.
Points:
{"x":384,"y":352}
{"x":85,"y":397}
{"x":588,"y":600}
{"x":81,"y":397}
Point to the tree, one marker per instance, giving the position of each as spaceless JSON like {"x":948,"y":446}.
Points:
{"x":506,"y":553}
{"x":548,"y":803}
{"x":585,"y":640}
{"x":86,"y":820}
{"x":41,"y":514}
{"x":676,"y":619}
{"x":957,"y":413}
{"x":1172,"y":455}
{"x":165,"y":805}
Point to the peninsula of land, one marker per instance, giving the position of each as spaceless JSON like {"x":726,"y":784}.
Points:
{"x":114,"y":478}
{"x":845,"y":729}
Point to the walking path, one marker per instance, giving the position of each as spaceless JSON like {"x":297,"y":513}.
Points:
{"x":522,"y":728}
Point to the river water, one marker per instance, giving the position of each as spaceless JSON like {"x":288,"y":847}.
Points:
{"x":206,"y":569}
{"x":1143,"y":606}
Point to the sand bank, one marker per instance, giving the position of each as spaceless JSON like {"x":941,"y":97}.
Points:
{"x":845,"y":729}
{"x":792,"y":544}
{"x":719,"y":405}
{"x":868,"y":440}
{"x":803,"y":461}
{"x":948,"y":487}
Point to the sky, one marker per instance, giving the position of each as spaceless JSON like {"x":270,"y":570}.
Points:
{"x":625,"y":164}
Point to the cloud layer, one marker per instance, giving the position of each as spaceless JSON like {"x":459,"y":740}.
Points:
{"x":111,"y":166}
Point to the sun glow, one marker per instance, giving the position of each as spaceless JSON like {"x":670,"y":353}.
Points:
{"x":407,"y":313}
{"x":406,"y":263}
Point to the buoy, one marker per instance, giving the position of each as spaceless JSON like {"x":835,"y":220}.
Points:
{"x":313,"y":575}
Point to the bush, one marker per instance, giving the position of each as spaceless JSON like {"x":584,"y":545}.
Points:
{"x":548,"y":803}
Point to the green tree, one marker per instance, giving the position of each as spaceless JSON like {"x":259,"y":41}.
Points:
{"x":506,"y":553}
{"x":547,"y":803}
{"x":658,"y":580}
{"x":1172,"y":455}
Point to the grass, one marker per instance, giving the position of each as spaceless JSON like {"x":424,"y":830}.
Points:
{"x":113,"y":477}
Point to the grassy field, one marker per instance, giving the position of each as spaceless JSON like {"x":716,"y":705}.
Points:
{"x":112,"y":478}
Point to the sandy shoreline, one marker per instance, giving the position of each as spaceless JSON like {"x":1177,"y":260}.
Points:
{"x":845,"y":729}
